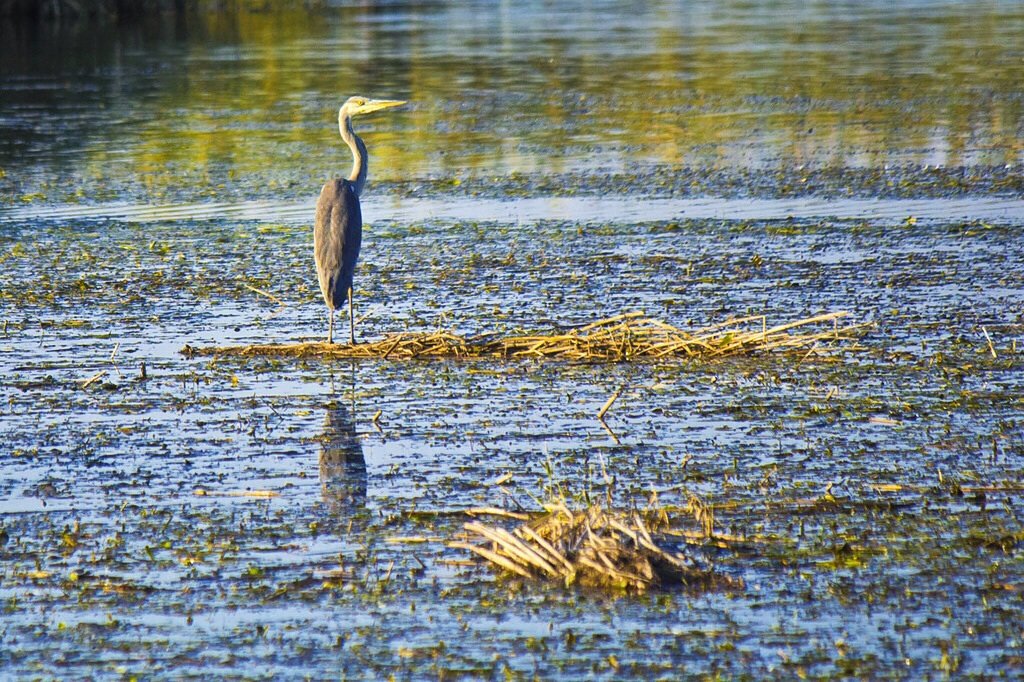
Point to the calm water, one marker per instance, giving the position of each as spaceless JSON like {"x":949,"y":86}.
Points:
{"x":557,"y":163}
{"x":220,"y":106}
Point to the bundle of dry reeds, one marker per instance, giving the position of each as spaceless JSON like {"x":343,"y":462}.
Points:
{"x":596,"y":547}
{"x":630,"y":336}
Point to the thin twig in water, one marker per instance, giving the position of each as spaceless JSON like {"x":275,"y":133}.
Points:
{"x":991,"y":348}
{"x":93,"y":379}
{"x":608,"y":403}
{"x":273,"y":298}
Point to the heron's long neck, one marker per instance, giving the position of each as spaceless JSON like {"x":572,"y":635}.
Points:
{"x":359,"y":157}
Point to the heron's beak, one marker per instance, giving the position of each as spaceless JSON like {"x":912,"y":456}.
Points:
{"x":378,"y":104}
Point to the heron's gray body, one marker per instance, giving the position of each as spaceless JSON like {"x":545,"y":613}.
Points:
{"x":338,"y":228}
{"x":337,"y":236}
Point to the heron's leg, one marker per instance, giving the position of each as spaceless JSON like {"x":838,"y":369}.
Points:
{"x":330,"y":325}
{"x":351,"y":319}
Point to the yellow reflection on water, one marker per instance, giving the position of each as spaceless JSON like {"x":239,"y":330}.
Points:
{"x":251,"y":97}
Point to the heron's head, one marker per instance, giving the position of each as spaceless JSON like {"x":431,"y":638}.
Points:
{"x":358,"y":106}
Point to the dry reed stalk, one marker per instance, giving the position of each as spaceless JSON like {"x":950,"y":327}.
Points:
{"x":410,"y":539}
{"x":596,"y":547}
{"x":260,"y":494}
{"x":625,"y":337}
{"x":495,"y":511}
{"x":494,"y":557}
{"x":991,"y":347}
{"x":273,"y":298}
{"x":553,"y":553}
{"x":512,"y":546}
{"x":86,"y":383}
{"x":609,"y":320}
{"x":608,"y":403}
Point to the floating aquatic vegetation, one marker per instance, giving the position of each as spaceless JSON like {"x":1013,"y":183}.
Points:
{"x":597,"y":547}
{"x":630,"y":336}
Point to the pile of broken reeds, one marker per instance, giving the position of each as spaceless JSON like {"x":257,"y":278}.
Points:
{"x":630,"y":336}
{"x":595,"y":547}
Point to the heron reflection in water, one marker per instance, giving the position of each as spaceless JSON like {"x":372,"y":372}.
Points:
{"x":338,"y":228}
{"x":342,"y":465}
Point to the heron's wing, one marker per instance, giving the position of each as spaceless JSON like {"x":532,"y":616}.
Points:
{"x":337,"y":236}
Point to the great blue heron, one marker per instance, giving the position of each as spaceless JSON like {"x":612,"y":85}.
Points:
{"x":338,"y":228}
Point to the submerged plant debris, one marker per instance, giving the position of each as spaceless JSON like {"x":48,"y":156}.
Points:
{"x":629,"y":336}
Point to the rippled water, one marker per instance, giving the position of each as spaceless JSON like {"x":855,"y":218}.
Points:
{"x":557,"y":164}
{"x":551,"y":208}
{"x":222,"y":105}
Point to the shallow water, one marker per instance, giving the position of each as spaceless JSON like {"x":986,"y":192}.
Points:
{"x":157,"y":191}
{"x":582,"y":209}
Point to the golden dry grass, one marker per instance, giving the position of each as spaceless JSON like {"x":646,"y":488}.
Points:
{"x":630,"y":336}
{"x":596,"y":547}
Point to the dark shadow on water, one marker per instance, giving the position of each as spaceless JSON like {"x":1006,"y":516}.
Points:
{"x":342,"y":465}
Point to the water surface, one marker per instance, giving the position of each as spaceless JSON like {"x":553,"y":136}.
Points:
{"x":556,"y":165}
